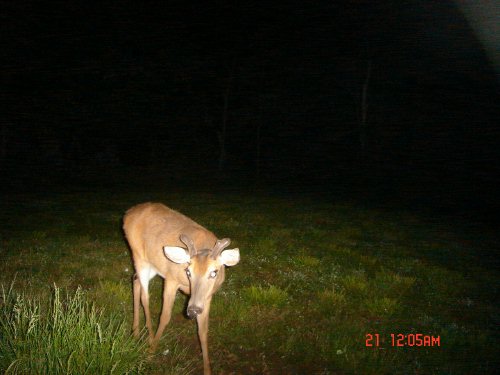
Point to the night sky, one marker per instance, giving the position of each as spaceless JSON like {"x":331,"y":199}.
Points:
{"x":267,"y":93}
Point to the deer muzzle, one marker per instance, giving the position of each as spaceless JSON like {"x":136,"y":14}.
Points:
{"x":193,"y":311}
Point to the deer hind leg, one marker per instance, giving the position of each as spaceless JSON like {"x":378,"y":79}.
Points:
{"x":169,"y":291}
{"x":137,"y":302}
{"x":146,"y":274}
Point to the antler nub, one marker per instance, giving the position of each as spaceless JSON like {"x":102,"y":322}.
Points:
{"x":189,"y":243}
{"x":219,"y":246}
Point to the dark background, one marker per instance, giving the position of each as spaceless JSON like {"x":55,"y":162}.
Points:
{"x":245,"y":95}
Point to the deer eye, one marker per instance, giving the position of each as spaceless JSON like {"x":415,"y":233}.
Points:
{"x":213,"y":274}
{"x":188,"y":273}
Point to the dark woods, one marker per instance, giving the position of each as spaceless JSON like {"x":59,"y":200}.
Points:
{"x":319,"y":97}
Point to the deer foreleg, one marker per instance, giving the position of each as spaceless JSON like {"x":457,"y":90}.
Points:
{"x":202,"y":320}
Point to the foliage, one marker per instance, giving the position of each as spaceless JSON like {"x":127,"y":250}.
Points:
{"x":314,"y":279}
{"x":68,"y":335}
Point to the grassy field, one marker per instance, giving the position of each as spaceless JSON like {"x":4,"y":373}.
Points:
{"x":316,"y":279}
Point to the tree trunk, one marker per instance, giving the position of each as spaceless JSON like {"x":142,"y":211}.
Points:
{"x":257,"y":142}
{"x":223,"y":132}
{"x":3,"y":145}
{"x":364,"y":109}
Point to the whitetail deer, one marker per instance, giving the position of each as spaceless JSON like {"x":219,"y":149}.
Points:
{"x":189,"y":257}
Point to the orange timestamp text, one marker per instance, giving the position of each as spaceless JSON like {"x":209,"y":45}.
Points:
{"x":402,"y":340}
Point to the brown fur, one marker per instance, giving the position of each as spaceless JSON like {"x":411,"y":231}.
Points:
{"x":201,"y":265}
{"x":148,"y":228}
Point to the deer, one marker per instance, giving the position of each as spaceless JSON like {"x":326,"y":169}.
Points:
{"x":187,"y":256}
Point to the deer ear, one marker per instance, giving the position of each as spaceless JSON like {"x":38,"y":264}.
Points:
{"x":230,"y":257}
{"x":176,"y":254}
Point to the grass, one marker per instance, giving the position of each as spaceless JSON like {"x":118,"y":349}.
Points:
{"x":66,"y":335}
{"x":315,"y":278}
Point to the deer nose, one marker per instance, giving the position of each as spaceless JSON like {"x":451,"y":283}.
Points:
{"x":194,"y":311}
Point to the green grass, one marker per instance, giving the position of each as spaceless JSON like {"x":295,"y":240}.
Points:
{"x":66,"y":335}
{"x":314,"y":279}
